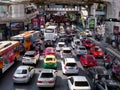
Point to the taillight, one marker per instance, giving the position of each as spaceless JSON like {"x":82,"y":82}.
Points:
{"x":64,"y":67}
{"x":39,"y":81}
{"x":51,"y":81}
{"x":77,"y":67}
{"x":14,"y":77}
{"x":25,"y":76}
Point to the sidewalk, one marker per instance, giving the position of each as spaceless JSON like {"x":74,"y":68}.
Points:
{"x":107,"y":47}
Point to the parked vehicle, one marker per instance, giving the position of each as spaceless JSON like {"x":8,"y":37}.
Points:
{"x":66,"y":52}
{"x":97,"y":52}
{"x":80,"y":50}
{"x":78,"y":83}
{"x":69,"y":66}
{"x":60,"y":45}
{"x":47,"y":78}
{"x":50,"y":61}
{"x":88,"y":60}
{"x":98,"y":72}
{"x":30,"y":57}
{"x":23,"y":74}
{"x":49,"y":51}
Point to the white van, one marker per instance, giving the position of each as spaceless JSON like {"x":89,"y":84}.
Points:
{"x":50,"y":33}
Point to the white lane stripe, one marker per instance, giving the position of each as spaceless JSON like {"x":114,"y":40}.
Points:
{"x":116,"y":54}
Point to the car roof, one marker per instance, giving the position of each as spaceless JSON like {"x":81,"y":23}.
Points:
{"x":23,"y":67}
{"x":47,"y":70}
{"x":30,"y":52}
{"x":71,"y":60}
{"x":49,"y":48}
{"x":66,"y":48}
{"x":80,"y":78}
{"x":61,"y":42}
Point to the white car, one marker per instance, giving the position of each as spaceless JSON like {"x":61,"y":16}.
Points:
{"x":78,"y":83}
{"x":23,"y":74}
{"x":30,"y":57}
{"x":76,"y":42}
{"x":66,"y":52}
{"x":60,"y":45}
{"x":69,"y":66}
{"x":47,"y":78}
{"x":88,"y":33}
{"x":80,"y":50}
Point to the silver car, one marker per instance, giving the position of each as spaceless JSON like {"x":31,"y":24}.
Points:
{"x":80,"y":50}
{"x":60,"y":45}
{"x":47,"y":78}
{"x":23,"y":74}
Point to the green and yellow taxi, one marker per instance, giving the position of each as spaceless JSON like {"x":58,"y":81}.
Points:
{"x":50,"y":61}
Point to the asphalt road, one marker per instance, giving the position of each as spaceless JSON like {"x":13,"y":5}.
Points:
{"x":61,"y":82}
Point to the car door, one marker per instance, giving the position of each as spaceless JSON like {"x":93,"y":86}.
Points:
{"x":70,"y":83}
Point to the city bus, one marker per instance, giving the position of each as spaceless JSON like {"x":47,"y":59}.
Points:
{"x":9,"y":54}
{"x":26,"y":39}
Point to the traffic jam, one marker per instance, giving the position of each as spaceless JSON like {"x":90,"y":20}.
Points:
{"x":59,"y":51}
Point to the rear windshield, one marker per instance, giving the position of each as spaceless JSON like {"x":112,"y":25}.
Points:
{"x":90,"y":58}
{"x":49,"y":30}
{"x":51,"y":50}
{"x":77,"y":83}
{"x":29,"y":55}
{"x":46,"y":75}
{"x":66,"y":51}
{"x":21,"y":71}
{"x":77,"y":42}
{"x":71,"y":64}
{"x":50,"y":59}
{"x":61,"y":45}
{"x":82,"y":48}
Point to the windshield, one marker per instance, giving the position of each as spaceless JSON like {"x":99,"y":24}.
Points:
{"x":71,"y":64}
{"x":28,"y":55}
{"x":77,"y":42}
{"x":50,"y":59}
{"x":51,"y":50}
{"x":21,"y":71}
{"x":61,"y":45}
{"x":66,"y":51}
{"x":46,"y":75}
{"x":90,"y":58}
{"x":82,"y":48}
{"x":82,"y":83}
{"x":49,"y":30}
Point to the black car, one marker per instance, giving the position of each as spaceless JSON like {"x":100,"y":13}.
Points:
{"x":97,"y":73}
{"x":107,"y":85}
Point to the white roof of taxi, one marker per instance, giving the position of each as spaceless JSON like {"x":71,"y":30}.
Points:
{"x":66,"y":48}
{"x":61,"y":42}
{"x":23,"y":67}
{"x":53,"y":26}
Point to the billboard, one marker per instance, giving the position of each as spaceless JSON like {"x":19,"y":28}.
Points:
{"x":17,"y":25}
{"x":92,"y":22}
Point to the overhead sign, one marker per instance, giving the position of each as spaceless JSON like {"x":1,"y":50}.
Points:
{"x":92,"y":22}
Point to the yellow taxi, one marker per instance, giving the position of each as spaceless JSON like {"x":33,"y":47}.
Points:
{"x":50,"y":61}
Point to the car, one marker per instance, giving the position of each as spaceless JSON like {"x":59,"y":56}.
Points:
{"x":88,"y":33}
{"x":30,"y":57}
{"x":69,"y":66}
{"x":88,"y":60}
{"x":50,"y":61}
{"x":49,"y":51}
{"x":80,"y":50}
{"x":107,"y":85}
{"x":66,"y":52}
{"x":59,"y":46}
{"x":23,"y":74}
{"x":76,"y":42}
{"x":116,"y":69}
{"x":47,"y":78}
{"x":48,"y":43}
{"x":87,"y":43}
{"x":98,"y":72}
{"x":97,"y":52}
{"x":78,"y":83}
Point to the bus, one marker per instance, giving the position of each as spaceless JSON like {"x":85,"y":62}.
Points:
{"x":50,"y":33}
{"x":9,"y":54}
{"x":26,"y":39}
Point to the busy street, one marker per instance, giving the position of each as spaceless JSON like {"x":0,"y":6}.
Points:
{"x":59,"y":45}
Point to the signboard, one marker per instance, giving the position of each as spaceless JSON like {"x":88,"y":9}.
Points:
{"x":35,"y":23}
{"x":116,"y":30}
{"x":92,"y":22}
{"x":17,"y":25}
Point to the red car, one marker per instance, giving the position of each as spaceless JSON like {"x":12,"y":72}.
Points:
{"x":49,"y":51}
{"x":87,"y":43}
{"x":96,"y":51}
{"x":88,"y":60}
